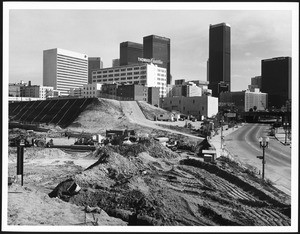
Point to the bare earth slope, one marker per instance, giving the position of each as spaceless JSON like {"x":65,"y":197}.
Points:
{"x":166,"y":189}
{"x":111,"y":114}
{"x":139,"y":184}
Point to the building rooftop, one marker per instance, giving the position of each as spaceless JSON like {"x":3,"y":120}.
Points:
{"x":130,"y":43}
{"x":218,"y":25}
{"x":130,"y":65}
{"x":68,"y":53}
{"x":277,"y":58}
{"x":158,"y":37}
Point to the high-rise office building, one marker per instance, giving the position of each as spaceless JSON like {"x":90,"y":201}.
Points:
{"x":255,"y":83}
{"x":94,"y":63}
{"x":129,"y":52}
{"x":276,"y":80}
{"x":64,"y":69}
{"x":115,"y":62}
{"x":158,"y":48}
{"x":219,"y":57}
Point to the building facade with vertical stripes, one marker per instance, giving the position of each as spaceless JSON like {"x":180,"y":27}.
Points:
{"x":64,"y":70}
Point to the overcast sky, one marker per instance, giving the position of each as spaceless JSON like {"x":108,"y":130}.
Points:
{"x":255,"y":35}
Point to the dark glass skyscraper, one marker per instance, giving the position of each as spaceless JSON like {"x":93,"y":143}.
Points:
{"x":94,"y":63}
{"x":129,"y":52}
{"x":276,"y":80}
{"x":158,"y":48}
{"x":219,"y":57}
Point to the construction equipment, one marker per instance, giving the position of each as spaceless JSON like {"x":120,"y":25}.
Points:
{"x":116,"y":137}
{"x":85,"y":140}
{"x":172,"y":144}
{"x":29,"y":141}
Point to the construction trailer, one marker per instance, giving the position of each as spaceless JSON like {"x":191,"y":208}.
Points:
{"x":166,"y":117}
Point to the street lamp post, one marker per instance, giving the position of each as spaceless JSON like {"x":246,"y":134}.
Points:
{"x":263,"y":143}
{"x":285,"y":128}
{"x":222,"y":137}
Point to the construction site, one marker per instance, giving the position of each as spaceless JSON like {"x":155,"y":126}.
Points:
{"x":99,"y":162}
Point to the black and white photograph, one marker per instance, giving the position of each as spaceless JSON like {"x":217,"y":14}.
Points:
{"x":150,"y":117}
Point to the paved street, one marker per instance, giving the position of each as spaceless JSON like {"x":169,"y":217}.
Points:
{"x":243,"y":144}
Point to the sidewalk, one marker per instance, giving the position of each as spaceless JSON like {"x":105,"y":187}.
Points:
{"x":281,"y":137}
{"x":216,"y":141}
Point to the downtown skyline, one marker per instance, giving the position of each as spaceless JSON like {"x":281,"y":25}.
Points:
{"x":255,"y":35}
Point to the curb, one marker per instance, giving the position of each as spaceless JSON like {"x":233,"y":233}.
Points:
{"x":282,"y":142}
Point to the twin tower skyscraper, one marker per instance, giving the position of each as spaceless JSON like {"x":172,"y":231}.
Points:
{"x":153,"y":47}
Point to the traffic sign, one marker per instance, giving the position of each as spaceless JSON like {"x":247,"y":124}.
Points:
{"x":260,"y":157}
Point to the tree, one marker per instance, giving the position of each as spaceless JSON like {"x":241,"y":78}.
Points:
{"x":255,"y":108}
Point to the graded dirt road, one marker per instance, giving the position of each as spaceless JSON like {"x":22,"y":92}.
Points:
{"x":134,"y":114}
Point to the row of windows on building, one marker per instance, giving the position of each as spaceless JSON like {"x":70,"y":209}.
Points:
{"x":89,"y":92}
{"x":128,"y":74}
{"x":89,"y":88}
{"x":119,"y":74}
{"x":62,"y":57}
{"x":72,"y":63}
{"x":118,"y":70}
{"x":121,"y":78}
{"x":76,"y":68}
{"x":129,"y":78}
{"x":136,"y":82}
{"x":179,"y":101}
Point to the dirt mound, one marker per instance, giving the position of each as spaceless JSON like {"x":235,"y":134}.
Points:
{"x":143,"y":185}
{"x":101,"y":115}
{"x":28,"y":206}
{"x":152,"y":147}
{"x":36,"y":153}
{"x":117,"y":164}
{"x":151,"y":111}
{"x":110,"y":168}
{"x":44,"y":153}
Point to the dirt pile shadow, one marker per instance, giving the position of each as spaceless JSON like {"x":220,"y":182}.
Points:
{"x":264,"y":199}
